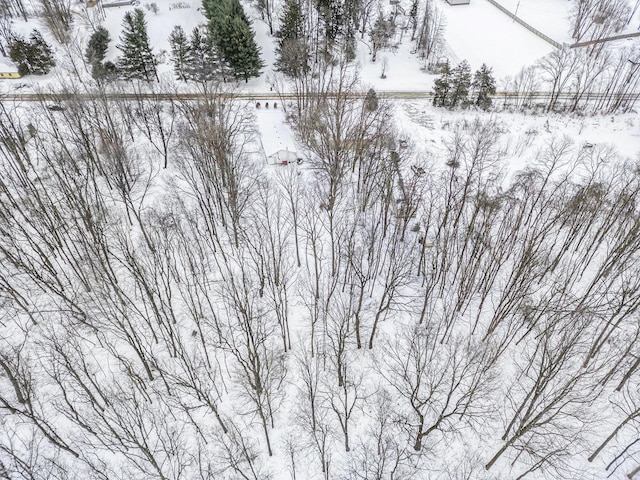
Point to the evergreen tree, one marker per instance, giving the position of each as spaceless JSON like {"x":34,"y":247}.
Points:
{"x":231,"y":32}
{"x":18,"y":53}
{"x":33,"y":57}
{"x":332,"y":14}
{"x":213,"y":61}
{"x":381,"y":34}
{"x":41,"y":54}
{"x":97,"y":46}
{"x":217,"y":10}
{"x":195,"y":66}
{"x":485,"y":85}
{"x":350,"y":47}
{"x":441,"y":87}
{"x":96,"y":52}
{"x":137,"y":60}
{"x":203,"y":61}
{"x":292,"y":52}
{"x":371,"y":100}
{"x":460,"y":85}
{"x":108,"y":71}
{"x":179,"y":52}
{"x":239,"y":49}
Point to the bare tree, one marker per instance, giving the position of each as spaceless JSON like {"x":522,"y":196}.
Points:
{"x":259,"y":370}
{"x":155,"y":118}
{"x":58,"y":17}
{"x":383,"y":452}
{"x":441,"y":385}
{"x":430,"y":40}
{"x":215,"y":138}
{"x":551,"y":394}
{"x":559,"y":67}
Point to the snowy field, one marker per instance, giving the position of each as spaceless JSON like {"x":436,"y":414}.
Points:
{"x":550,"y":17}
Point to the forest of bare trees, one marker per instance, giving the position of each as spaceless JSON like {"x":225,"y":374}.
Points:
{"x":171,"y":308}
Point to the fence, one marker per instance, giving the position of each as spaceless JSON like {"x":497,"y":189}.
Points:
{"x":525,"y":25}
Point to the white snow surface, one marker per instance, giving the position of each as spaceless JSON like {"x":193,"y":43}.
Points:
{"x":480,"y":33}
{"x":275,"y":133}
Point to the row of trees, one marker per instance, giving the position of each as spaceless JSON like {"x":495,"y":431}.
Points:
{"x":225,"y":49}
{"x":577,"y":79}
{"x":309,"y":31}
{"x":196,"y":58}
{"x":454,"y":87}
{"x":590,"y":80}
{"x":360,"y":316}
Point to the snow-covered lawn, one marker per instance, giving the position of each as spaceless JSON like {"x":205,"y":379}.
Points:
{"x":551,"y":17}
{"x":275,"y":133}
{"x":480,"y":33}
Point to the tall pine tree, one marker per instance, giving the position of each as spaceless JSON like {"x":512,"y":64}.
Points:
{"x":292,"y":51}
{"x":96,"y":52}
{"x":19,"y":53}
{"x":484,"y":85}
{"x":203,"y":62}
{"x":179,"y":52}
{"x":137,"y":59}
{"x":460,"y":85}
{"x":231,"y":31}
{"x":240,"y":50}
{"x":441,"y":87}
{"x":97,"y":46}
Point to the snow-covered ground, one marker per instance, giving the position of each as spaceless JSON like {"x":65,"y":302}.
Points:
{"x":550,"y":17}
{"x":429,"y":126}
{"x":275,"y":133}
{"x":480,"y":33}
{"x":477,"y":32}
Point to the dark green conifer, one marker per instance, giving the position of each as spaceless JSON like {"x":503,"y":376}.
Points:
{"x":137,"y":59}
{"x":484,"y":85}
{"x":292,"y":52}
{"x":179,"y":52}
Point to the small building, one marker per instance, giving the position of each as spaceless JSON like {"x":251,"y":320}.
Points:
{"x":283,"y":157}
{"x":120,"y":3}
{"x":458,"y":2}
{"x":277,"y":142}
{"x":9,"y":75}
